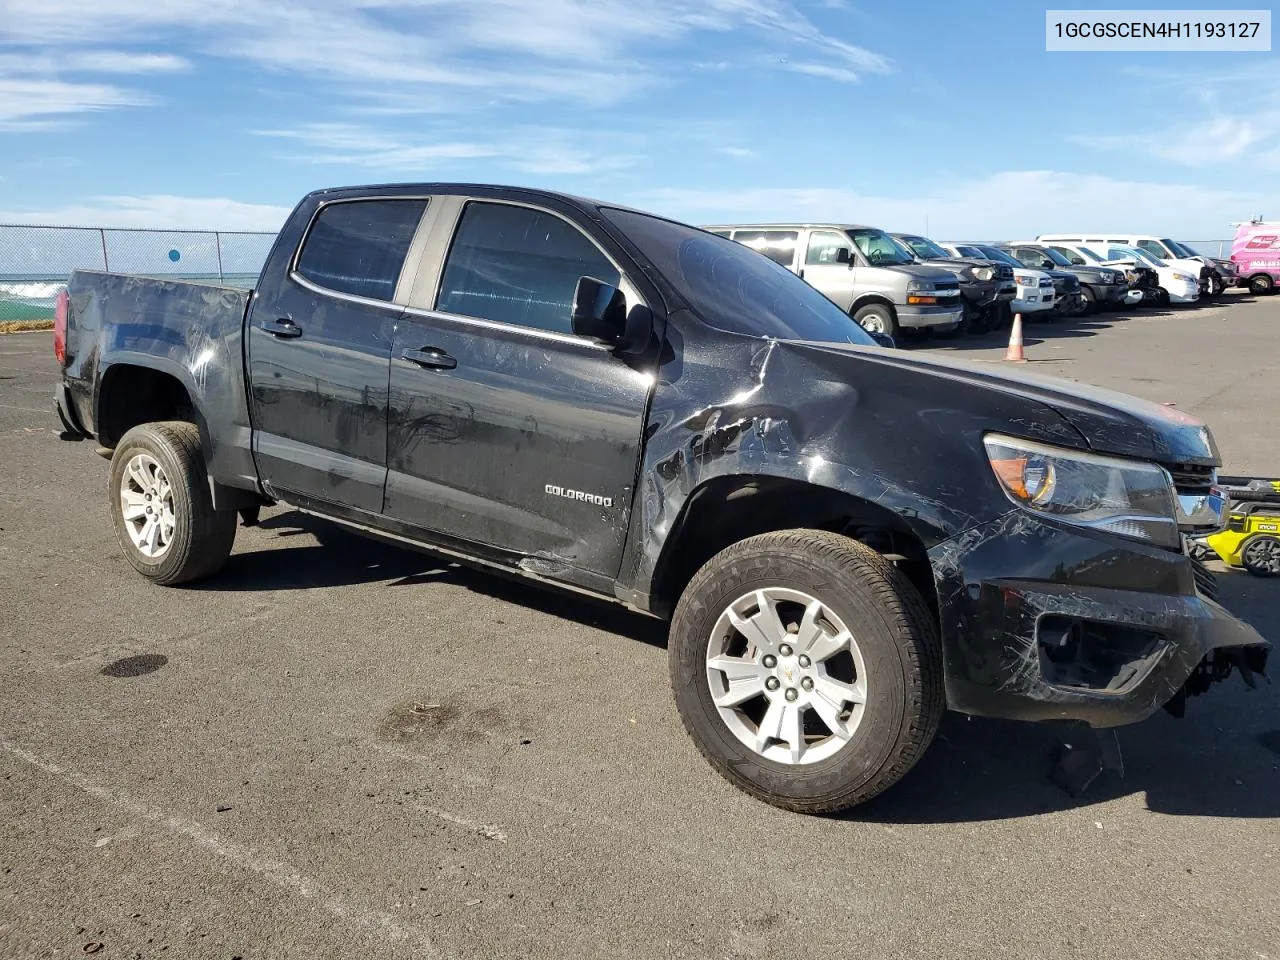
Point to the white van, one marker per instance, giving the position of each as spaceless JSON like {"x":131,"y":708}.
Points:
{"x":1162,"y":249}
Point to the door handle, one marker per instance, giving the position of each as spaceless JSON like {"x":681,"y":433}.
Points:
{"x":430,"y":357}
{"x":284,"y":327}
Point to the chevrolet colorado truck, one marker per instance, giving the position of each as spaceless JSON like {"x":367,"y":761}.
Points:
{"x":846,"y":539}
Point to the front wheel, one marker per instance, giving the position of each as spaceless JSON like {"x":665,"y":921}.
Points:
{"x":877,"y":318}
{"x":1261,"y":285}
{"x":1090,"y":302}
{"x":160,"y":502}
{"x":807,"y":669}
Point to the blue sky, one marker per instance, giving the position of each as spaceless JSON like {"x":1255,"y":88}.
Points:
{"x":945,"y":115}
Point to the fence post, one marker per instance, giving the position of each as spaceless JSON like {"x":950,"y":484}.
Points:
{"x":106,"y":264}
{"x":217,"y":243}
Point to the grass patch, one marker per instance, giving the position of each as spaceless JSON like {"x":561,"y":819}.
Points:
{"x":22,"y":326}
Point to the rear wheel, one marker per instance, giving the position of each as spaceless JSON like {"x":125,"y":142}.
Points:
{"x":806,"y":669}
{"x":1261,"y":556}
{"x":1261,"y":285}
{"x":160,"y":502}
{"x":877,"y":318}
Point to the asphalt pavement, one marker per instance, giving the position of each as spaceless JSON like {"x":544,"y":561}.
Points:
{"x":339,"y":748}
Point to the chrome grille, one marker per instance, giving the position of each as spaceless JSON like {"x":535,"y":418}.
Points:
{"x":1191,"y":479}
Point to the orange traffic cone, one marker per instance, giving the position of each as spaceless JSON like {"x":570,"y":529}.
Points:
{"x":1014,"y":353}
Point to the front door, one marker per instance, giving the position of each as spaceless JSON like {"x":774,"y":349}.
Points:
{"x":821,"y":267}
{"x":505,"y":428}
{"x":319,"y":344}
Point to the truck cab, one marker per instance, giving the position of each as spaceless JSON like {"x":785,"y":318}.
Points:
{"x":862,"y":270}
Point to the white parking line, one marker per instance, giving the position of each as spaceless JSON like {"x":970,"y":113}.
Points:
{"x":283,"y":875}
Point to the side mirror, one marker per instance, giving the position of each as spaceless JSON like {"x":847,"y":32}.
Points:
{"x":1047,"y":264}
{"x":842,"y":255}
{"x":600,"y":314}
{"x":885,"y":340}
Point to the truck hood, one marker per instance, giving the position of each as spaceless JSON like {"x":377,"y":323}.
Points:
{"x":923,"y":271}
{"x":1107,"y":421}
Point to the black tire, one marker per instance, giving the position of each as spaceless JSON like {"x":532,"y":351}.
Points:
{"x":1261,"y":555}
{"x":1261,"y":285}
{"x":1162,"y":297}
{"x":202,"y":537}
{"x":1215,"y":285}
{"x":877,"y":313}
{"x":1090,"y":301}
{"x":899,"y":645}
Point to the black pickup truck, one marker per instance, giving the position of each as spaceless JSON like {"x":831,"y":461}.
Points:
{"x":847,"y":539}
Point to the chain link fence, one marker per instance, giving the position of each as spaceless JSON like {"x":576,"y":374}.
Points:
{"x":35,"y":261}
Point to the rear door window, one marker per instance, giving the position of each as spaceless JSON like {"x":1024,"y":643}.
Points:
{"x":358,"y":247}
{"x":778,"y":245}
{"x":518,"y":265}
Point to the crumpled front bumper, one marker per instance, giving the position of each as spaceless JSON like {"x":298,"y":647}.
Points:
{"x":1010,"y":590}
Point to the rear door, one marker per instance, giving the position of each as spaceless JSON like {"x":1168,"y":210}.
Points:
{"x":506,"y":429}
{"x":319,"y":346}
{"x":780,"y":246}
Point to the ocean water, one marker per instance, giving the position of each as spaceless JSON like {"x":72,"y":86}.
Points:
{"x":32,"y":297}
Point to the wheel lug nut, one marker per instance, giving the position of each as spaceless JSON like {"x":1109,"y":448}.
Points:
{"x":791,"y":694}
{"x":772,"y":683}
{"x":785,"y":650}
{"x":793,"y":628}
{"x":804,"y":661}
{"x":770,"y":661}
{"x":807,"y":683}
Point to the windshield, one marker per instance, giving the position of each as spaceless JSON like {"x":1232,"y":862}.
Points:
{"x":1180,"y":248}
{"x":1055,"y":256}
{"x":925,"y":248}
{"x":1088,"y":254}
{"x":995,"y":253}
{"x":878,"y":247}
{"x":902,"y":245}
{"x":1139,"y":254}
{"x":734,"y":288}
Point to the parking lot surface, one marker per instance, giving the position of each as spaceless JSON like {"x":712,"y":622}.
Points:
{"x":339,"y":748}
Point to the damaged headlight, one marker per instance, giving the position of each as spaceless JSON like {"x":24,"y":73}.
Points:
{"x":1124,"y":497}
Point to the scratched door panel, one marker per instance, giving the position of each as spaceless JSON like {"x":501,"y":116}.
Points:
{"x":527,"y":444}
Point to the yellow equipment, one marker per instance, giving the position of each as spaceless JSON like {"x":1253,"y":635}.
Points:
{"x":1251,"y":538}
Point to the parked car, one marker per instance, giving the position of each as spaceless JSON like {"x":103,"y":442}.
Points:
{"x":1163,"y":249}
{"x":986,"y":286}
{"x":1223,"y":273}
{"x":1036,"y":291}
{"x":846,"y":539}
{"x":1101,"y":288}
{"x":1175,"y":285}
{"x":1144,"y":282}
{"x":1256,"y":253}
{"x":862,"y":270}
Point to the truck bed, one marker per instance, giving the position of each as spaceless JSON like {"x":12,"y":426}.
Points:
{"x":190,"y":331}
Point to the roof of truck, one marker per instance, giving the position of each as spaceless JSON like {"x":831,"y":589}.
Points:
{"x":471,"y":189}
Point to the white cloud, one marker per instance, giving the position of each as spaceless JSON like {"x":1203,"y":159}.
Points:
{"x":39,"y":104}
{"x":740,"y":152}
{"x":1009,"y":205}
{"x":842,"y":74}
{"x":1203,"y":117}
{"x":596,"y":52}
{"x":157,"y":211}
{"x":1195,"y":145}
{"x":541,"y":150}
